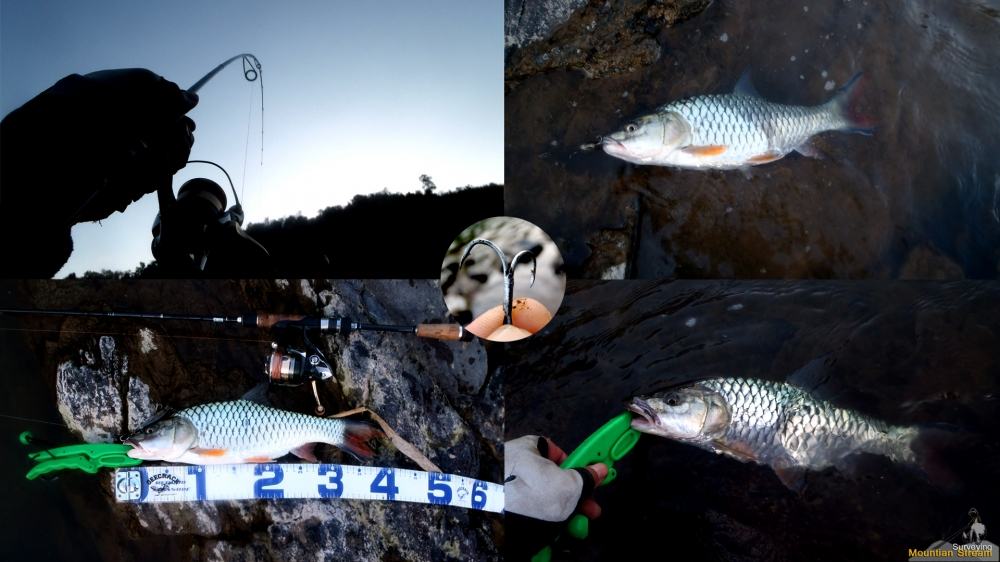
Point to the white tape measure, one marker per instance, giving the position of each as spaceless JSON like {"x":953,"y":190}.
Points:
{"x":174,"y":483}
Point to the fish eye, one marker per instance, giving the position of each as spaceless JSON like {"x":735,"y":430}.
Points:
{"x":149,"y":431}
{"x":672,"y":400}
{"x":630,"y":128}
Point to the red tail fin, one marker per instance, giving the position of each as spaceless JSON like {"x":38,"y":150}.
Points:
{"x":847,"y":102}
{"x":356,"y":438}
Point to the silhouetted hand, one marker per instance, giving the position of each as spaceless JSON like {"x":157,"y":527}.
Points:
{"x":86,"y":147}
{"x":146,"y":132}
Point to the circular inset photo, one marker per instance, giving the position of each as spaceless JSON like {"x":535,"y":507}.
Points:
{"x":503,"y":279}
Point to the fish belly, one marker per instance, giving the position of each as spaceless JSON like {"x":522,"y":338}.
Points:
{"x":743,"y":131}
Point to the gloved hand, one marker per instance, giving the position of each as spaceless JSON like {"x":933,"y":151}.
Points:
{"x":539,"y":496}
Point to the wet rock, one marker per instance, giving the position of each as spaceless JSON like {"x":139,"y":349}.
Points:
{"x":600,"y":39}
{"x":924,"y":262}
{"x":527,"y":21}
{"x":435,"y":394}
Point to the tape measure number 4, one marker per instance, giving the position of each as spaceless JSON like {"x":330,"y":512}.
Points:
{"x":150,"y":484}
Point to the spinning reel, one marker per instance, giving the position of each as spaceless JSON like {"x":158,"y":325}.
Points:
{"x":291,"y":366}
{"x":194,"y":233}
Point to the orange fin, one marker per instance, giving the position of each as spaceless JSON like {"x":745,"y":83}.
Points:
{"x":257,"y":459}
{"x":764,"y":158}
{"x":356,"y":438}
{"x":710,"y":150}
{"x":208,"y":452}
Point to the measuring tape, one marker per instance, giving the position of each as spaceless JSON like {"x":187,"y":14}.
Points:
{"x":152,"y":484}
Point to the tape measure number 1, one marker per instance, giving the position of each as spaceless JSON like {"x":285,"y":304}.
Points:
{"x":174,"y":483}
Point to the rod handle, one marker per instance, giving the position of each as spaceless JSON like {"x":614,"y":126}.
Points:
{"x":268,"y":320}
{"x":450,"y":332}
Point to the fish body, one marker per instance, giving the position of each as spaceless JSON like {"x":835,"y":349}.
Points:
{"x":732,"y":130}
{"x":771,"y":423}
{"x":242,"y":431}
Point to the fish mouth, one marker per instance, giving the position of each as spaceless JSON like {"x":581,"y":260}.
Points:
{"x":608,"y":141}
{"x":647,"y":417}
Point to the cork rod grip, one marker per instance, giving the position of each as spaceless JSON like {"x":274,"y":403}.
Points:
{"x":452,"y":332}
{"x":267,"y":320}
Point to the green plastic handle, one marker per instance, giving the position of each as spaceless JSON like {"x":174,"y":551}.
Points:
{"x":88,"y":457}
{"x":608,"y":444}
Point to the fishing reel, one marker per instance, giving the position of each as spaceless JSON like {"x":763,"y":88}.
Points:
{"x":290,"y":366}
{"x":194,"y":233}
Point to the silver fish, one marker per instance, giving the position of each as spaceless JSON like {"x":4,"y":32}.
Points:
{"x":241,"y":431}
{"x":769,"y":423}
{"x":733,"y":130}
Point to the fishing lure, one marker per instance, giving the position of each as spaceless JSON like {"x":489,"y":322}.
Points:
{"x":508,"y":273}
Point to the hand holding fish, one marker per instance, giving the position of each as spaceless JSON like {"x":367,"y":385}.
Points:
{"x":540,"y":496}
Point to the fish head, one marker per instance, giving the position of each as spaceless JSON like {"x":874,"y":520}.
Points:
{"x":692,"y":413}
{"x":164,"y":440}
{"x":650,"y":138}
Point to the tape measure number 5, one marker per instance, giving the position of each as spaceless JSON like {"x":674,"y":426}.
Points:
{"x":174,"y":483}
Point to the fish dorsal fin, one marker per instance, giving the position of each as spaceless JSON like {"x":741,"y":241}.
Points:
{"x":257,"y":394}
{"x":818,"y":378}
{"x":744,"y":86}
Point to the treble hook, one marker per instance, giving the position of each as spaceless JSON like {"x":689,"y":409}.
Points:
{"x":507,"y":271}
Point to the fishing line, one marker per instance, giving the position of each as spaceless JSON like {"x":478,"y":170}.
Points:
{"x":33,"y":420}
{"x":252,"y":71}
{"x":129,"y":335}
{"x":246,"y":146}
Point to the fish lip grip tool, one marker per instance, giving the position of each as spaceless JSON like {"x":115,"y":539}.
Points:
{"x":607,"y":445}
{"x":88,"y":457}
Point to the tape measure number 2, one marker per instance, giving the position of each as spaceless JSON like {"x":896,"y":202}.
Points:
{"x":150,"y":484}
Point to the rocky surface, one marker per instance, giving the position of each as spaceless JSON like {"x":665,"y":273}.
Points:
{"x":599,"y":38}
{"x":109,"y":375}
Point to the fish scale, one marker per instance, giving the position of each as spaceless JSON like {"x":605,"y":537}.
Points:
{"x":784,"y":424}
{"x":241,"y":425}
{"x":750,"y":126}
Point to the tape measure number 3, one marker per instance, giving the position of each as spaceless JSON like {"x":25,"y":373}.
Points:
{"x":151,"y":484}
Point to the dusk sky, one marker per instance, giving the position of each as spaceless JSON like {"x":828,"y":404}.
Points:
{"x":357,"y":97}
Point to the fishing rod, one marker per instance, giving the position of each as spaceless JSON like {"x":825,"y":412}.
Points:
{"x":323,"y":324}
{"x":294,"y":359}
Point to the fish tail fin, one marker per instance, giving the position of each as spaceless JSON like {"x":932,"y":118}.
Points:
{"x":934,"y":450}
{"x":845,"y":105}
{"x":357,"y":438}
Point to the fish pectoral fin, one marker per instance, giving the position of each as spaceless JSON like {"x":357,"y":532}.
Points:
{"x":704,"y":151}
{"x":208,"y":452}
{"x":737,"y":450}
{"x":792,"y":476}
{"x":765,"y":158}
{"x":306,"y":452}
{"x":809,"y":150}
{"x":258,"y":459}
